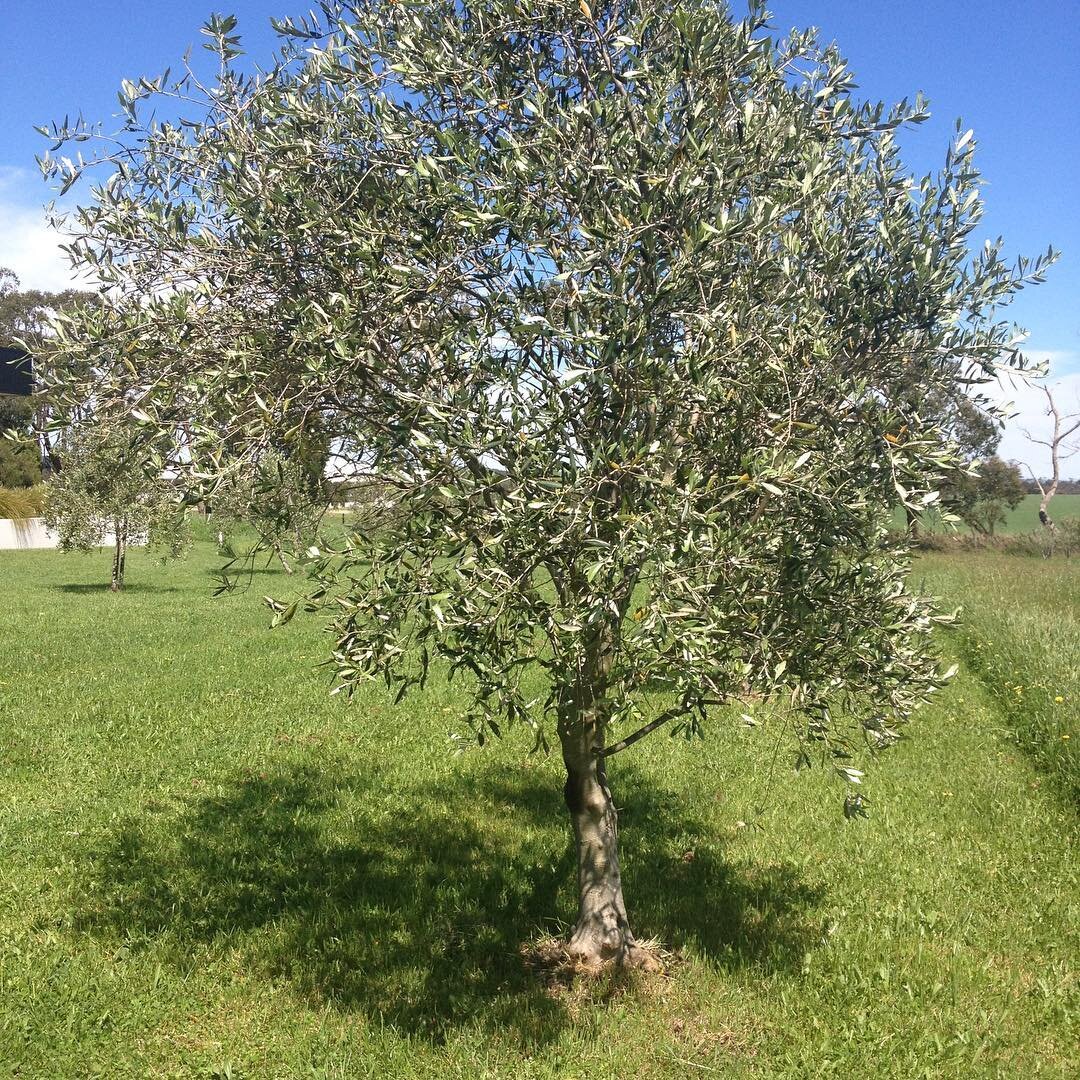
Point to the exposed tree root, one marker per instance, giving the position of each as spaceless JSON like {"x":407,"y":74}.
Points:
{"x":559,"y":967}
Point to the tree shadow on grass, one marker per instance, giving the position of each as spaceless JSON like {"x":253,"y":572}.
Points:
{"x":413,"y":905}
{"x":85,"y":588}
{"x":680,"y":888}
{"x":242,"y":574}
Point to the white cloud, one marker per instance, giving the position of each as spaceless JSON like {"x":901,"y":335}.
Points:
{"x":27,"y":244}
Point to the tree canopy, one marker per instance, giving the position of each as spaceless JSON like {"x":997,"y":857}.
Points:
{"x":622,"y":300}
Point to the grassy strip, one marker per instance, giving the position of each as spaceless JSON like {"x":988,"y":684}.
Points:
{"x":209,"y":868}
{"x":1025,"y":647}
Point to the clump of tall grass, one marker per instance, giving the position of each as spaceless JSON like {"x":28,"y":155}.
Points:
{"x":22,"y":503}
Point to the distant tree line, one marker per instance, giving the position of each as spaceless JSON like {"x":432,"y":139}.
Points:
{"x":1065,"y":487}
{"x":24,"y":315}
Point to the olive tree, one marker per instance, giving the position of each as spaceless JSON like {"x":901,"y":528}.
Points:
{"x":621,"y":300}
{"x":107,"y":495}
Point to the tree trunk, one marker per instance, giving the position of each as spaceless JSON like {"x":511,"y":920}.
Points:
{"x":119,"y":556}
{"x":602,"y":932}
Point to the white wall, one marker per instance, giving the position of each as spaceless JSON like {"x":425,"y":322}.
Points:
{"x":26,"y":535}
{"x":31,"y":534}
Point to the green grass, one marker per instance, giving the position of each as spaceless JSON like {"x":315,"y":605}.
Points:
{"x":1020,"y":636}
{"x":1022,"y":519}
{"x":1025,"y":517}
{"x":210,"y":868}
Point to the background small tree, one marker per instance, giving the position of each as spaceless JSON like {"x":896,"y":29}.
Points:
{"x":981,"y":499}
{"x":108,"y":493}
{"x":24,"y":322}
{"x":19,"y":464}
{"x":622,"y":300}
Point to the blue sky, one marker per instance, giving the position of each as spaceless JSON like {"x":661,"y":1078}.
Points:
{"x":1010,"y":69}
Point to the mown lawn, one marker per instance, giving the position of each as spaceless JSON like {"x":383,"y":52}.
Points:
{"x":211,"y":868}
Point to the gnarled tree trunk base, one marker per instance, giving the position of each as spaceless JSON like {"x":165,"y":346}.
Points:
{"x":629,"y":955}
{"x":559,"y":967}
{"x":602,"y":939}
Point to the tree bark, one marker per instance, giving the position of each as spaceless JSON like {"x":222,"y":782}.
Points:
{"x":119,"y":556}
{"x":602,"y":933}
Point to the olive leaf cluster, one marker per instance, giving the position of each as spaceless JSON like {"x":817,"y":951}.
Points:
{"x":622,"y":301}
{"x":278,"y":499}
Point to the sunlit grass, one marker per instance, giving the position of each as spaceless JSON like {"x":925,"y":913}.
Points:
{"x":1021,"y":636}
{"x":210,"y":867}
{"x":1023,"y":518}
